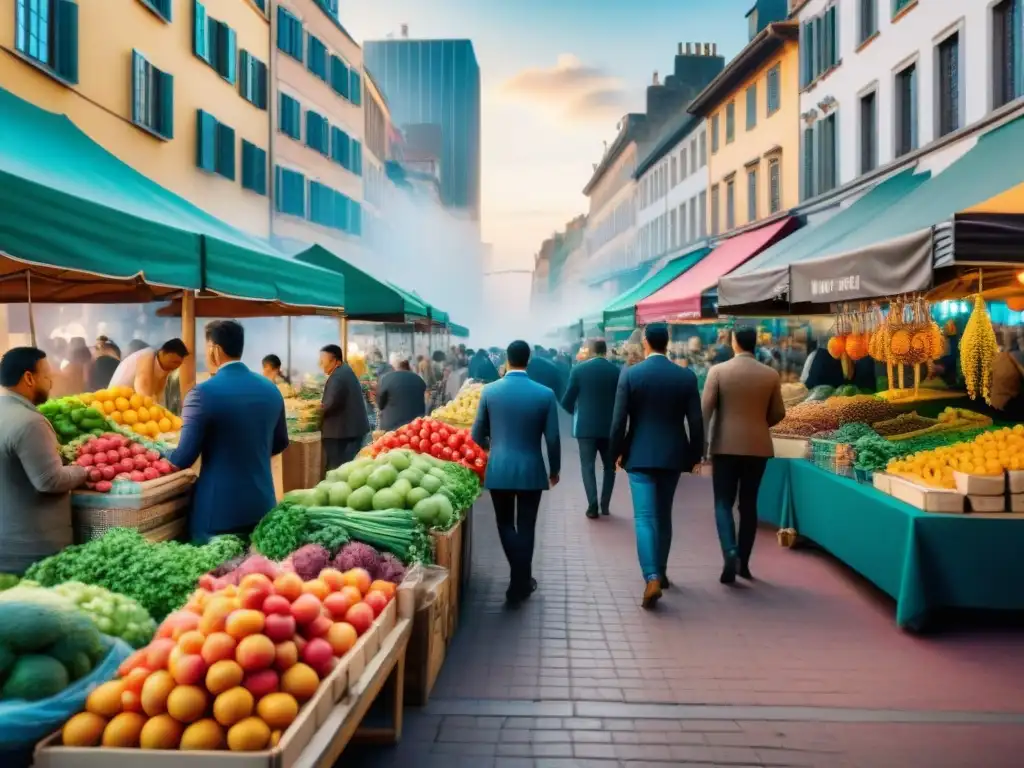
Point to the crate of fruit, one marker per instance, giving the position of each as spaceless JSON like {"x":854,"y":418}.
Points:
{"x":833,"y":456}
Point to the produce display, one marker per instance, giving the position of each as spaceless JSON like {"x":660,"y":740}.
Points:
{"x":303,"y":415}
{"x":139,"y":413}
{"x":903,"y":424}
{"x":908,"y":336}
{"x":806,"y":419}
{"x":112,"y":457}
{"x":71,"y":419}
{"x":159,"y":576}
{"x":863,"y":408}
{"x":232,"y":669}
{"x":978,"y":347}
{"x":45,"y":644}
{"x":434,"y":438}
{"x":461,"y":411}
{"x":990,"y":453}
{"x":113,"y":614}
{"x":793,"y":393}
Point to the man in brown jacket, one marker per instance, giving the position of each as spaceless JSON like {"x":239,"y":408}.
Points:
{"x":742,"y":400}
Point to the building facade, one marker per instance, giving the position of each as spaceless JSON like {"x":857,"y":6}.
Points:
{"x":177,"y":89}
{"x":316,"y":106}
{"x":436,"y":82}
{"x":377,"y":132}
{"x":752,"y":115}
{"x":880,"y":79}
{"x":672,"y":191}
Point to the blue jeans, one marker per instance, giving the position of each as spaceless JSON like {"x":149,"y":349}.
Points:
{"x":652,"y":493}
{"x":590,"y":449}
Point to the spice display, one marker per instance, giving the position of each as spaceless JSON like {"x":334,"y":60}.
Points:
{"x":807,"y":419}
{"x":864,"y":408}
{"x":903,"y":424}
{"x":851,"y":433}
{"x":977,"y":349}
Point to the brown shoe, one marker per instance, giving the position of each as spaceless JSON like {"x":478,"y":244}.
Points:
{"x":652,"y":594}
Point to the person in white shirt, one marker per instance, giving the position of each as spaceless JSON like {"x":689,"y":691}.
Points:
{"x":146,"y":371}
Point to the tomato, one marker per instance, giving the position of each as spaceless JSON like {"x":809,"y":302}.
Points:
{"x":391,"y":442}
{"x":435,"y":450}
{"x":424,"y":434}
{"x":414,"y":442}
{"x":478,"y":463}
{"x":446,"y":453}
{"x":454,"y":441}
{"x":403,"y":439}
{"x":417,"y":424}
{"x":444,"y":433}
{"x":435,"y":438}
{"x":468,"y":454}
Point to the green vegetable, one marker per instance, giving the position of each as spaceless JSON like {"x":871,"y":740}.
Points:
{"x":338,"y":494}
{"x":361,"y":498}
{"x":382,"y":477}
{"x":35,"y":677}
{"x":113,"y":614}
{"x":387,"y":498}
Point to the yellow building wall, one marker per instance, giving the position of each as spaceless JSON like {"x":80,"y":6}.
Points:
{"x":782,"y":130}
{"x":101,"y":103}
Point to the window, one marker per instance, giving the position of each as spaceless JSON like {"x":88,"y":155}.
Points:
{"x":357,"y":158}
{"x":683,"y":167}
{"x":868,"y":132}
{"x":675,"y":171}
{"x":702,"y":214}
{"x":161,"y":8}
{"x":318,"y":135}
{"x":215,"y":146}
{"x":252,"y":79}
{"x":289,"y":34}
{"x":214,"y":42}
{"x":730,"y":122}
{"x":254,"y":168}
{"x":340,"y":80}
{"x":774,"y":185}
{"x":1007,"y":69}
{"x":773,"y":97}
{"x":341,"y":147}
{"x":899,"y":5}
{"x":46,"y":31}
{"x":289,"y":192}
{"x":827,"y":155}
{"x":868,"y":19}
{"x":730,"y":205}
{"x":751,"y":106}
{"x":356,"y":88}
{"x":714,"y":134}
{"x":672,"y":233}
{"x":321,"y":204}
{"x":702,"y":144}
{"x":819,"y":48}
{"x":752,"y":195}
{"x":289,"y":118}
{"x":684,"y":235}
{"x":316,"y":57}
{"x":948,"y":83}
{"x":714,"y":210}
{"x":906,"y":110}
{"x":152,"y":97}
{"x":809,"y":166}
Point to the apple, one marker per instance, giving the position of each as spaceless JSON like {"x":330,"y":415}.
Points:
{"x":188,"y":669}
{"x":318,"y":627}
{"x":95,"y":475}
{"x":140,"y":462}
{"x":306,"y":608}
{"x":113,"y":457}
{"x":86,"y":460}
{"x":277,"y":604}
{"x":137,"y":449}
{"x":150,"y":473}
{"x":123,"y":452}
{"x":279,"y":628}
{"x":360,"y":616}
{"x":152,"y":455}
{"x":338,"y":603}
{"x":260,"y":683}
{"x":137,"y":476}
{"x":317,"y":653}
{"x":378,"y":601}
{"x":109,"y":473}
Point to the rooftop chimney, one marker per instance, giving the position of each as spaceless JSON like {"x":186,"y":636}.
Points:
{"x":714,"y":49}
{"x":654,"y":81}
{"x":679,"y":50}
{"x":405,"y":31}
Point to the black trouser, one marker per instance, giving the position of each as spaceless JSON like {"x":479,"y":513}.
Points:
{"x":338,"y":450}
{"x":590,"y":449}
{"x":516,"y":515}
{"x":733,"y":476}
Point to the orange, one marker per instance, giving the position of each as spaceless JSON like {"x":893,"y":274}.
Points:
{"x":223,"y":676}
{"x":203,"y":734}
{"x":161,"y":732}
{"x":187,"y":703}
{"x":249,"y":735}
{"x":124,"y":730}
{"x":83,"y":730}
{"x":300,"y":681}
{"x":232,"y":706}
{"x":105,"y":700}
{"x":278,"y":710}
{"x":130,"y":417}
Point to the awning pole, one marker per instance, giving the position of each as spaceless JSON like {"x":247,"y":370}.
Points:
{"x":288,"y":347}
{"x":187,"y":372}
{"x":31,"y":313}
{"x":343,"y":328}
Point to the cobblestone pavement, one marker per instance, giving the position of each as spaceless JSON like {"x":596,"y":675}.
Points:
{"x":805,"y":666}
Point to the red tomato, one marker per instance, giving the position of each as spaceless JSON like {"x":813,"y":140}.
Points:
{"x":435,"y":450}
{"x":444,"y":433}
{"x":435,"y":438}
{"x":390,"y":442}
{"x":403,"y":439}
{"x":453,"y":441}
{"x":414,"y":442}
{"x":478,"y":463}
{"x":417,"y":424}
{"x":446,"y":453}
{"x":424,"y":434}
{"x":468,"y":453}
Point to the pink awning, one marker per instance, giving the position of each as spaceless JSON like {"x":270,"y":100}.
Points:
{"x":680,"y":299}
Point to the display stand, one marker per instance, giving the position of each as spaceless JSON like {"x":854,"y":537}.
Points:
{"x":448,"y":554}
{"x":301,"y":461}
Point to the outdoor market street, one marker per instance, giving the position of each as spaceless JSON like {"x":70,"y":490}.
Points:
{"x":804,"y":667}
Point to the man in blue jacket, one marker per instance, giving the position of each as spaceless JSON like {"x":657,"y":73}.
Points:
{"x":657,"y":434}
{"x":481,"y":368}
{"x":515,"y":417}
{"x":544,"y":371}
{"x":590,"y":398}
{"x":235,"y":422}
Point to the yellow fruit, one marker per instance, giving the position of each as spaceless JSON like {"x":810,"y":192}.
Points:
{"x":147,"y":401}
{"x":101,"y":395}
{"x":135,"y":401}
{"x":109,"y":407}
{"x":143,"y":413}
{"x":117,"y":417}
{"x":161,"y":732}
{"x":232,"y":706}
{"x":83,"y":730}
{"x":977,"y":349}
{"x":155,"y":690}
{"x":278,"y":710}
{"x":124,"y":730}
{"x":187,"y":703}
{"x":176,"y":423}
{"x":249,"y":735}
{"x":164,"y":425}
{"x":125,"y":392}
{"x":122,"y":404}
{"x":105,"y":700}
{"x":130,"y":417}
{"x":203,"y":734}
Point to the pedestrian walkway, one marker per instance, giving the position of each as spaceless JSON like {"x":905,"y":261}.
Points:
{"x":803,"y":667}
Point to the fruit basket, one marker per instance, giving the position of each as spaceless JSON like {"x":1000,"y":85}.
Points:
{"x":832,"y":456}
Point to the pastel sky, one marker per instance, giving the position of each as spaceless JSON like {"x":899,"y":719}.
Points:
{"x":556,"y":76}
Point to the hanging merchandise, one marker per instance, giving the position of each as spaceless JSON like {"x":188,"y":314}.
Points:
{"x":837,"y":344}
{"x":908,"y":336}
{"x":978,"y":347}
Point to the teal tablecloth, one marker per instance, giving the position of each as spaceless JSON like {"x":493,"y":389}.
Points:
{"x":923,"y":560}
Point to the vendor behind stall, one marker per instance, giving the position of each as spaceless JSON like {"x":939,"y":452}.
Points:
{"x":147,"y":370}
{"x":35,"y":502}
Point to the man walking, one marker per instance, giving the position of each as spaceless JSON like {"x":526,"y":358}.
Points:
{"x":401,"y":396}
{"x":742,"y":401}
{"x":345,"y":423}
{"x":657,"y":403}
{"x":514,"y":418}
{"x":590,"y":398}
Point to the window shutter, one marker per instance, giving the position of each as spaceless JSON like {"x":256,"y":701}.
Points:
{"x":808,"y":163}
{"x":357,"y":158}
{"x":226,"y":151}
{"x":206,"y":141}
{"x":137,"y":85}
{"x":283,"y":32}
{"x":229,"y":53}
{"x":200,"y":42}
{"x":356,"y":211}
{"x":66,"y":40}
{"x":166,"y":117}
{"x":297,"y":39}
{"x":278,"y":188}
{"x":261,"y":171}
{"x":357,"y":88}
{"x":261,"y":93}
{"x":244,"y":81}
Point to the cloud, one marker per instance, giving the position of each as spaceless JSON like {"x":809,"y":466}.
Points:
{"x":574,"y":90}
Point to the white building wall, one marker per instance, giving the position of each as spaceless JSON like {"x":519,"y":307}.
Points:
{"x":671,"y":200}
{"x":611,"y":221}
{"x":912,"y":38}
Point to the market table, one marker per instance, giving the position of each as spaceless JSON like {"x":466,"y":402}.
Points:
{"x":924,"y":560}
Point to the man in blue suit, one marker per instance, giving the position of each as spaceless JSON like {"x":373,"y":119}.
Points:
{"x":656,"y":405}
{"x":515,"y":417}
{"x":590,"y":398}
{"x":235,"y":422}
{"x":481,"y":368}
{"x":544,"y":371}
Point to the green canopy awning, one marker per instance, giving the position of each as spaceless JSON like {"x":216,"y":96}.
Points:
{"x":459,"y":331}
{"x":367,"y":298}
{"x":91,"y":228}
{"x":438,"y":316}
{"x":620,"y":312}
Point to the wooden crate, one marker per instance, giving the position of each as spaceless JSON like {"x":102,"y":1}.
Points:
{"x":448,"y":554}
{"x":301,"y":462}
{"x":428,"y":645}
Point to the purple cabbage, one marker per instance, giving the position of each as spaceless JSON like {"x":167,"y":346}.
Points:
{"x":390,"y":568}
{"x":309,"y":560}
{"x":356,"y":554}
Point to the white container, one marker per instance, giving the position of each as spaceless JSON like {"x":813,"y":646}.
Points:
{"x":1016,"y":481}
{"x":927,"y":499}
{"x":987,"y":503}
{"x":790,"y":447}
{"x":980,"y":485}
{"x":882,"y":481}
{"x":1017,"y":502}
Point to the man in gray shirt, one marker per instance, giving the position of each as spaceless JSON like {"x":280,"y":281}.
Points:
{"x":35,"y":502}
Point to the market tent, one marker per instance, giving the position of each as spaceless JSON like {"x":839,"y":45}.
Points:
{"x":87,"y":227}
{"x":593,"y":325}
{"x":894,"y":253}
{"x":620,"y":313}
{"x":367,"y":298}
{"x":761,"y":285}
{"x":681,"y":298}
{"x":459,"y":331}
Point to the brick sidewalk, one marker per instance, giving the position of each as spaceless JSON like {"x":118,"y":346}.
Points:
{"x":581,"y":673}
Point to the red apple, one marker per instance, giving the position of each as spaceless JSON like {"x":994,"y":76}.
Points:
{"x":188,"y":669}
{"x":306,"y":608}
{"x":338,"y":603}
{"x":360,"y":616}
{"x":279,"y":628}
{"x":259,"y":684}
{"x":317,"y":652}
{"x":318,"y":627}
{"x":378,"y":601}
{"x":277,"y":604}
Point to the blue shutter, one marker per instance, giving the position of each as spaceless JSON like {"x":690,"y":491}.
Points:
{"x":356,"y":88}
{"x":357,"y":158}
{"x":66,"y":40}
{"x":136,"y":86}
{"x":356,"y":216}
{"x":229,"y":53}
{"x":297,"y":39}
{"x":339,"y":77}
{"x":312,"y":122}
{"x":278,"y":187}
{"x":206,"y":141}
{"x":260,"y":76}
{"x":226,"y":151}
{"x":282,"y":37}
{"x":200,"y":41}
{"x":165,"y":117}
{"x":244,"y":80}
{"x":261,"y":171}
